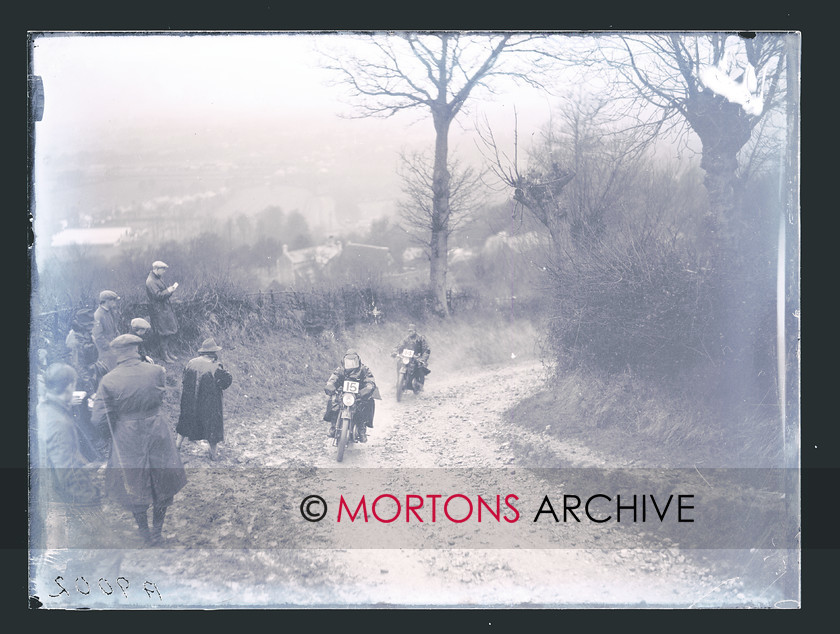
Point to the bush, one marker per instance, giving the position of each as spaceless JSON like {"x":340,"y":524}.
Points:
{"x":638,"y":305}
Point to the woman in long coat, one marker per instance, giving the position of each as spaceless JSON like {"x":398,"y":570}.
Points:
{"x":162,"y":316}
{"x":143,"y":467}
{"x":204,"y":380}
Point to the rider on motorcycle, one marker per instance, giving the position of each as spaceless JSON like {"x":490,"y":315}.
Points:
{"x":417,"y":342}
{"x":352,"y":369}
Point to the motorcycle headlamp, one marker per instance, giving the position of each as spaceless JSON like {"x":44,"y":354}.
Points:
{"x":406,"y":360}
{"x":348,"y":399}
{"x":351,"y":362}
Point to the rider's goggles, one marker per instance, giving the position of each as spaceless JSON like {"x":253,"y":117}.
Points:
{"x":351,"y":363}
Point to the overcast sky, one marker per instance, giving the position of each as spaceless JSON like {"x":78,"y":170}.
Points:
{"x":95,"y":82}
{"x":126,"y":76}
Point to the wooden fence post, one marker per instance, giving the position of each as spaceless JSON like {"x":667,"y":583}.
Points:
{"x":273,"y":309}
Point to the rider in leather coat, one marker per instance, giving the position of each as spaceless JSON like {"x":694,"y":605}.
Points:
{"x":352,"y":369}
{"x":417,"y":342}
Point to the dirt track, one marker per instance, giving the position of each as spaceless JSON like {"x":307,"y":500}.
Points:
{"x":454,"y":425}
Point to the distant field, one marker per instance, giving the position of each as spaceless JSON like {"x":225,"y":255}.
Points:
{"x":120,"y":197}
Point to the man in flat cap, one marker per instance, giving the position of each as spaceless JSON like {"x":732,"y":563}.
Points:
{"x":142,"y":328}
{"x":66,"y":501}
{"x":105,"y":330}
{"x":83,"y":355}
{"x":143,"y":468}
{"x":164,"y":322}
{"x":80,"y":345}
{"x":201,"y":397}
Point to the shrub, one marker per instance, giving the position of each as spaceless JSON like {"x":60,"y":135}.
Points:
{"x":629,"y":304}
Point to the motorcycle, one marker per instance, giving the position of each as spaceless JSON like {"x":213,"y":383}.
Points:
{"x":347,"y":426}
{"x":407,"y":368}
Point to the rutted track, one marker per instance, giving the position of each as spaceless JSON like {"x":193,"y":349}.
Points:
{"x":456,"y":424}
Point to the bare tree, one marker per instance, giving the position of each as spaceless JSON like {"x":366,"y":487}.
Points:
{"x":436,"y":72}
{"x":466,"y":194}
{"x":605,"y":156}
{"x":537,"y":187}
{"x":723,"y":88}
{"x":666,"y":81}
{"x":578,"y":174}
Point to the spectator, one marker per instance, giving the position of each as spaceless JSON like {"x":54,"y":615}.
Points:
{"x":70,"y":498}
{"x":143,"y":467}
{"x":43,"y":362}
{"x":201,"y":397}
{"x":83,"y":357}
{"x":83,"y":351}
{"x":70,"y":482}
{"x":141,"y":328}
{"x":105,"y":330}
{"x":164,"y":322}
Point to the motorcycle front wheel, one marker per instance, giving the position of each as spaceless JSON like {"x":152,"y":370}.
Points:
{"x":344,"y":435}
{"x":400,"y":385}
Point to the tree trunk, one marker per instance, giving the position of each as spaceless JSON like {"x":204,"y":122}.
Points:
{"x":721,"y":187}
{"x":723,"y":129}
{"x":439,"y":239}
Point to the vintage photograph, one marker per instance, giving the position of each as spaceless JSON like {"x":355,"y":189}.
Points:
{"x":414,"y":319}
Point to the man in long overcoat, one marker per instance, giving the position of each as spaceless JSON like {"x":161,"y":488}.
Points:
{"x":143,"y":468}
{"x":164,"y":322}
{"x":204,"y":380}
{"x":105,"y":330}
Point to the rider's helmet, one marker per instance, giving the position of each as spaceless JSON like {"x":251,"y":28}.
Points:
{"x":352,"y":361}
{"x":412,"y":330}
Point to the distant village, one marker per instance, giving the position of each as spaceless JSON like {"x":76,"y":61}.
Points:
{"x":334,"y":259}
{"x":288,"y":220}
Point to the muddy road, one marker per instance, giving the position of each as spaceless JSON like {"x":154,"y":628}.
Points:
{"x":234,"y":540}
{"x":455,"y":428}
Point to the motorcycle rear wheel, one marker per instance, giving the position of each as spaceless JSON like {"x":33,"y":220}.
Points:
{"x":343,"y":437}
